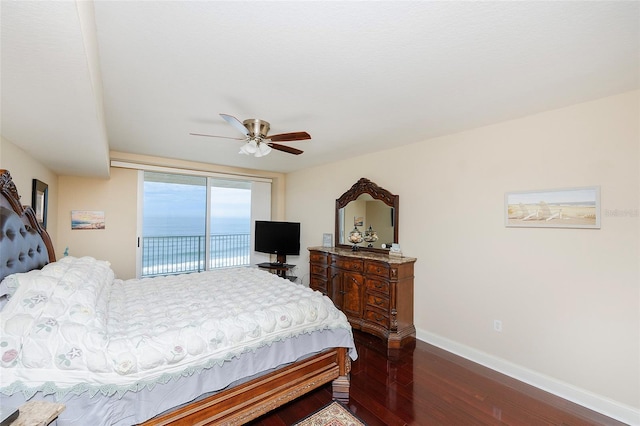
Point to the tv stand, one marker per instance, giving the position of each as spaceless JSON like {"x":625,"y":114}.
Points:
{"x":281,"y":259}
{"x":280,"y":269}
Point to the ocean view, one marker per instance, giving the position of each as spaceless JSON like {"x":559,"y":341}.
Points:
{"x":174,"y":217}
{"x":177,"y":244}
{"x":190,"y":225}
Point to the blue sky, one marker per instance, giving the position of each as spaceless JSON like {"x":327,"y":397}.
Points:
{"x":178,"y":200}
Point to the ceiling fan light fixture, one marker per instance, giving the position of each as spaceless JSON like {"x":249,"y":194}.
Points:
{"x":249,"y":148}
{"x":255,"y":147}
{"x":263,"y":149}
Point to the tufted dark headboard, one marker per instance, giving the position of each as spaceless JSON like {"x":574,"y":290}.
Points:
{"x":24,"y":244}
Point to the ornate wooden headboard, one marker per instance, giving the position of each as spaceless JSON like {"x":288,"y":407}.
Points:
{"x":24,"y":243}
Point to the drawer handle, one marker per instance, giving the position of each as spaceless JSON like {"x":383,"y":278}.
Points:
{"x":378,"y":318}
{"x":378,"y":302}
{"x":379,"y":285}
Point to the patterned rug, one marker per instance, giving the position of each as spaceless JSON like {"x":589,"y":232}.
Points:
{"x":333,"y":414}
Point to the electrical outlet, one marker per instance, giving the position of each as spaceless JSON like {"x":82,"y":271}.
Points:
{"x":497,"y":325}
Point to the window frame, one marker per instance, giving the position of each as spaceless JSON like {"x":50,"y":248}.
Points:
{"x":260,"y":209}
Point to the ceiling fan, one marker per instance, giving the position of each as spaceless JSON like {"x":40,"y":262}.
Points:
{"x":258,"y":142}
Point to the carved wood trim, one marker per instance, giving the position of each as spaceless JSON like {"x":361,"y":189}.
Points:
{"x":9,"y":192}
{"x":365,"y":186}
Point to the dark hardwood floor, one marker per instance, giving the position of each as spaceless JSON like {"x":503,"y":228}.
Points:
{"x":424,"y":385}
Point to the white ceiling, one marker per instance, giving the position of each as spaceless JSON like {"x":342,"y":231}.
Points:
{"x":82,"y":78}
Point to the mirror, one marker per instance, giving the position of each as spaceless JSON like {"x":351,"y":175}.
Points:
{"x":364,"y":206}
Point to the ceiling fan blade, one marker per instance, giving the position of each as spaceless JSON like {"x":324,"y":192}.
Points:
{"x":236,"y":123}
{"x":286,"y":149}
{"x":290,"y":137}
{"x":214,"y":136}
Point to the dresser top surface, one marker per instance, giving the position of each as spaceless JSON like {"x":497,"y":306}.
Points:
{"x":382,"y":257}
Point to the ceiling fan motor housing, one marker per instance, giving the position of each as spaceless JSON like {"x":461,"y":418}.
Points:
{"x":257,"y":127}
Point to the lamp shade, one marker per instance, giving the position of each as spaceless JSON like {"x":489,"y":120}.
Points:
{"x":263,"y":149}
{"x":250,"y":148}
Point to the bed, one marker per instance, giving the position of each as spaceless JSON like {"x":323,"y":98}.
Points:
{"x":217,"y":347}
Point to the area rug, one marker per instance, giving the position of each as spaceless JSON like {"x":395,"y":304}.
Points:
{"x":333,"y":414}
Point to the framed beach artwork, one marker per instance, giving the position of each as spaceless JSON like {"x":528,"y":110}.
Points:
{"x":39,"y":201}
{"x":87,"y":219}
{"x":553,"y":208}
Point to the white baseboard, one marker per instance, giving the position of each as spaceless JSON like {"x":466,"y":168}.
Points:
{"x":590,"y":400}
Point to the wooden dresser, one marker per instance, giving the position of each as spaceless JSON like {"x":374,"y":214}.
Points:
{"x":374,"y":290}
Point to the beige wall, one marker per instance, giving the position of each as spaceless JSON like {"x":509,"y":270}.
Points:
{"x":117,"y":198}
{"x":24,"y":168}
{"x":568,"y":299}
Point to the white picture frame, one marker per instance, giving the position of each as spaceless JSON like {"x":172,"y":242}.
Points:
{"x":553,"y":208}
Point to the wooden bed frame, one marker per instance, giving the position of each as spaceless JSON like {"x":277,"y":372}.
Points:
{"x":232,"y":406}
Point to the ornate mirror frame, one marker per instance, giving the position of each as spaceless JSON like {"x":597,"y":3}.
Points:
{"x":365,"y":186}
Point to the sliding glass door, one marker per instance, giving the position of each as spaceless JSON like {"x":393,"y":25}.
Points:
{"x":194,"y":223}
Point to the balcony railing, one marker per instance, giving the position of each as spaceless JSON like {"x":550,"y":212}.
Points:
{"x":181,"y":254}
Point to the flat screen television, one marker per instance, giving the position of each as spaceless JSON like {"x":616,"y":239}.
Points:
{"x":279,"y":238}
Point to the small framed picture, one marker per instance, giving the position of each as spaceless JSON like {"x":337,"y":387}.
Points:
{"x":327,"y":240}
{"x":87,"y":219}
{"x":358,"y":221}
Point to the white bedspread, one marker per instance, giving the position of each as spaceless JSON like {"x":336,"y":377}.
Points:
{"x":72,"y":327}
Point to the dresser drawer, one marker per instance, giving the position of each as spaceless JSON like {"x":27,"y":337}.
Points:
{"x":318,"y":269}
{"x":348,"y":263}
{"x":379,"y":269}
{"x":377,"y":301}
{"x":377,"y":316}
{"x":317,"y":257}
{"x":378,"y":286}
{"x":318,"y":284}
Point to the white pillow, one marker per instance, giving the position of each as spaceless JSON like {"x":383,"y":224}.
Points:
{"x":8,"y":286}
